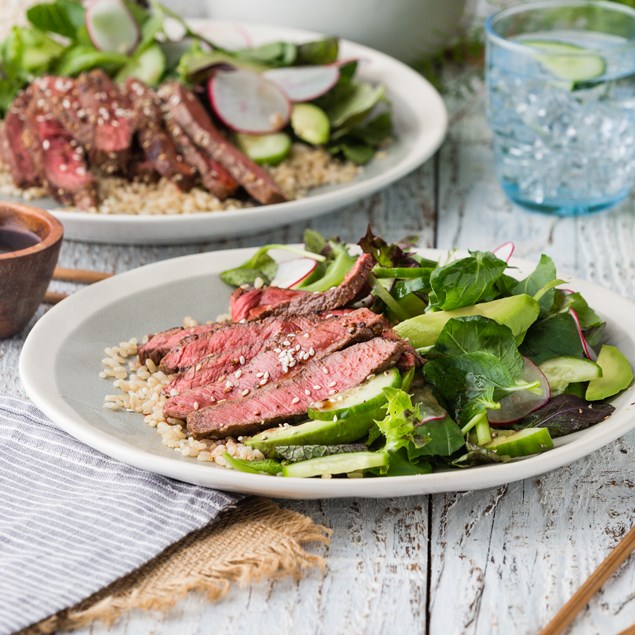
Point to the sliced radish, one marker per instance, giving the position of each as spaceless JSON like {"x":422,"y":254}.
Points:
{"x":588,"y":351}
{"x":429,"y":418}
{"x":247,"y":102}
{"x":292,"y":272}
{"x":111,"y":26}
{"x":518,"y":404}
{"x":504,"y":251}
{"x":304,"y":83}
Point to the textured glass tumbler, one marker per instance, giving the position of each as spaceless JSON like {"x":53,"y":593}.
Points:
{"x":561,"y":104}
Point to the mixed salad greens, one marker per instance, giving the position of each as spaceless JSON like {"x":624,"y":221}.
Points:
{"x":508,"y":364}
{"x":266,"y":95}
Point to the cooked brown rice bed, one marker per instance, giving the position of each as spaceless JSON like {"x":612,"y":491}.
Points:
{"x":305,"y":169}
{"x":139,"y":390}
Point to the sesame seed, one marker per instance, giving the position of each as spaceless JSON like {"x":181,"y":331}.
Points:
{"x":307,"y":392}
{"x":286,"y":343}
{"x":295,"y":400}
{"x":263,"y":381}
{"x":46,"y":144}
{"x":238,"y":373}
{"x":306,"y":335}
{"x":331,"y":392}
{"x":317,"y":387}
{"x":311,"y":351}
{"x":332,"y":384}
{"x":291,"y":336}
{"x":196,"y":405}
{"x":259,"y":375}
{"x":241,"y":359}
{"x":297,"y":347}
{"x":245,"y":392}
{"x":228,"y":384}
{"x":325,"y":370}
{"x":277,"y":350}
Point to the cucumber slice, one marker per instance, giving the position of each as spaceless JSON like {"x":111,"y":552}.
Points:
{"x":336,"y":464}
{"x":617,"y":374}
{"x":148,"y":67}
{"x":568,"y":61}
{"x":313,"y":433}
{"x":310,"y":124}
{"x":266,"y":149}
{"x":356,"y":401}
{"x":521,"y":443}
{"x":562,"y":371}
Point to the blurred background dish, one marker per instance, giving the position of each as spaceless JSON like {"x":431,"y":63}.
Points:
{"x":406,"y":29}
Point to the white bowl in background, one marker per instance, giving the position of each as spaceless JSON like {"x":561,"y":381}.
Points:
{"x":406,"y":29}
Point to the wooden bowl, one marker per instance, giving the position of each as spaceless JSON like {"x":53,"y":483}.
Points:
{"x":25,"y":273}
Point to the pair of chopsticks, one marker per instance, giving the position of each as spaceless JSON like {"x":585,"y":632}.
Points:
{"x":82,"y":276}
{"x":581,"y":597}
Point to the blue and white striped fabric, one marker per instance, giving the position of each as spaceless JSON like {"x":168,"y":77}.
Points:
{"x":73,"y":520}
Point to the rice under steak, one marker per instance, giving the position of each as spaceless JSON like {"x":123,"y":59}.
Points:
{"x":139,"y":390}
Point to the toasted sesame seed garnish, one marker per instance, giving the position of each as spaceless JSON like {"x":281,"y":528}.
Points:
{"x":307,"y":392}
{"x":196,"y":405}
{"x":263,"y":381}
{"x":311,"y":351}
{"x":259,"y":375}
{"x":238,"y":373}
{"x":241,"y":360}
{"x":277,"y":350}
{"x":305,"y":335}
{"x":228,"y":384}
{"x":332,"y":391}
{"x":46,"y":144}
{"x":222,"y":379}
{"x":295,"y":400}
{"x":297,"y":347}
{"x":332,"y":384}
{"x":325,"y":370}
{"x":291,"y":336}
{"x":286,"y":343}
{"x":317,"y":387}
{"x":370,"y":377}
{"x":245,"y":392}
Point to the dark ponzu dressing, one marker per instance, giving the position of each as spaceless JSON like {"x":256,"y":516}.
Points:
{"x":16,"y":239}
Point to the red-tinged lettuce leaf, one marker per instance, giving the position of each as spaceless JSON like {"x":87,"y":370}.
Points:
{"x":386,"y":255}
{"x":566,"y":414}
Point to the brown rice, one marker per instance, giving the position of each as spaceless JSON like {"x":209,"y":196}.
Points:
{"x":305,"y":169}
{"x":139,"y":390}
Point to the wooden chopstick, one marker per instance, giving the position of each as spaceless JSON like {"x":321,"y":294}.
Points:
{"x":53,"y":297}
{"x":581,"y":597}
{"x":79,"y":275}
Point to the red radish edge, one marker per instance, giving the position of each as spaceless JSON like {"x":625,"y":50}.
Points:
{"x":588,"y":351}
{"x":298,"y":269}
{"x":289,"y":80}
{"x":510,"y":410}
{"x":432,"y":418}
{"x":90,"y":27}
{"x":506,"y":251}
{"x":274,"y":126}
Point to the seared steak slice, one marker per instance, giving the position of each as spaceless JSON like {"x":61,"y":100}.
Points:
{"x":159,"y":344}
{"x":339,"y":296}
{"x":250,"y":336}
{"x":64,"y":164}
{"x":18,"y":141}
{"x":111,"y":119}
{"x":156,"y":143}
{"x":214,"y":177}
{"x":282,"y":356}
{"x":185,"y":109}
{"x":243,"y":301}
{"x":288,"y":399}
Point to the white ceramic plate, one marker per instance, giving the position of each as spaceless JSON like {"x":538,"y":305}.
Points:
{"x":60,"y":363}
{"x":420,"y":124}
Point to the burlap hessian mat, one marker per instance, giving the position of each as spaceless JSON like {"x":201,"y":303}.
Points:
{"x":257,"y":540}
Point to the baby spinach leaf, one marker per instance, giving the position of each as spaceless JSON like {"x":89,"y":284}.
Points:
{"x":350,"y":107}
{"x":588,"y":317}
{"x":400,"y":464}
{"x":466,"y":281}
{"x":544,"y":273}
{"x":566,"y":414}
{"x":260,"y":265}
{"x":63,"y":17}
{"x":554,"y":336}
{"x":314,"y":241}
{"x":470,"y":334}
{"x":324,"y":51}
{"x":442,"y":438}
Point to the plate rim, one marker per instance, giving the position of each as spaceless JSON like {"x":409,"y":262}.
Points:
{"x":38,"y":377}
{"x":306,"y":207}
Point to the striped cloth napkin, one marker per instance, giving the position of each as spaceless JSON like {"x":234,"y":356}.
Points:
{"x":73,"y":520}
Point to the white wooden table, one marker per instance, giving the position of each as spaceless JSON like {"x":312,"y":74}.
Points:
{"x":486,"y":562}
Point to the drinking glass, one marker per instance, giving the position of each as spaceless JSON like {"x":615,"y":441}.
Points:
{"x":561,"y":103}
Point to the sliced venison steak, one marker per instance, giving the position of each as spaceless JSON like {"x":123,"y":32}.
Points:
{"x":288,"y":399}
{"x":283,"y":355}
{"x":188,"y":112}
{"x":159,"y":344}
{"x":334,"y":298}
{"x":214,"y":176}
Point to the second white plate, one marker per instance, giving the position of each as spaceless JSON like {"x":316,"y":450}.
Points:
{"x":420,"y":120}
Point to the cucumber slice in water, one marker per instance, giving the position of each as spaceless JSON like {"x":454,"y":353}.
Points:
{"x":266,"y":149}
{"x":568,"y":61}
{"x":562,"y":371}
{"x":356,"y":401}
{"x":336,"y":464}
{"x":521,"y":443}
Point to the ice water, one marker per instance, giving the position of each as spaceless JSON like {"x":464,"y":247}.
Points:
{"x":564,"y":144}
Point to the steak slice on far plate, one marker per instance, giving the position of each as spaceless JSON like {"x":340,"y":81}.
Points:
{"x":188,"y":112}
{"x":282,"y":356}
{"x":288,"y":399}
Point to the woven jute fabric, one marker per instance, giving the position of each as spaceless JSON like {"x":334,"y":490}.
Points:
{"x":257,"y":540}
